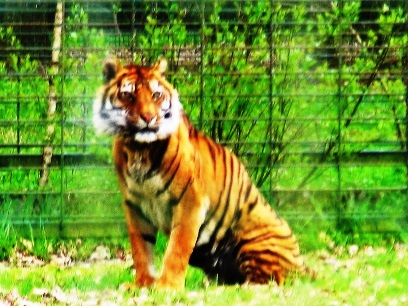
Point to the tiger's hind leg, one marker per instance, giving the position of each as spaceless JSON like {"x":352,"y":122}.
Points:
{"x":261,"y":271}
{"x":269,"y":257}
{"x":256,"y":272}
{"x":269,"y":249}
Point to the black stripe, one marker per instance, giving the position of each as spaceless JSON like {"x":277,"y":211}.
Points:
{"x":175,"y":201}
{"x":248,"y":191}
{"x":258,"y":261}
{"x":231,"y":183}
{"x":218,"y":226}
{"x":213,"y":148}
{"x":156,"y":157}
{"x":220,"y":222}
{"x":269,"y":235}
{"x":237,"y":214}
{"x":105,"y":96}
{"x":252,"y":204}
{"x":238,"y":211}
{"x":165,"y":171}
{"x":149,"y":238}
{"x":254,"y":255}
{"x":189,"y":182}
{"x":135,"y":193}
{"x":169,"y":181}
{"x":138,"y":211}
{"x":129,"y":203}
{"x":192,"y":131}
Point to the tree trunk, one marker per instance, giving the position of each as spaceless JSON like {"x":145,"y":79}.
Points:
{"x":52,"y":96}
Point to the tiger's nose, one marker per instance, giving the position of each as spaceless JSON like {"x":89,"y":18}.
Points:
{"x":147,"y":117}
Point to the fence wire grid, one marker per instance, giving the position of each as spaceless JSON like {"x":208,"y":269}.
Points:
{"x":311,"y":95}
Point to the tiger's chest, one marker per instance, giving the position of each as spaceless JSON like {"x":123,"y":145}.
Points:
{"x":155,"y":178}
{"x":145,"y":190}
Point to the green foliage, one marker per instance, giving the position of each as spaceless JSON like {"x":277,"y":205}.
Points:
{"x":273,"y":81}
{"x":8,"y":239}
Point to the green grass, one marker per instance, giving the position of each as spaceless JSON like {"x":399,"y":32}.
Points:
{"x":346,"y":275}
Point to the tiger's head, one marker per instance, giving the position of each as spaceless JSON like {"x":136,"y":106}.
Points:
{"x":136,"y":101}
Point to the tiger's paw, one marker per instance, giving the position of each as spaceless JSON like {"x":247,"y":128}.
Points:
{"x":169,"y":284}
{"x":140,"y":282}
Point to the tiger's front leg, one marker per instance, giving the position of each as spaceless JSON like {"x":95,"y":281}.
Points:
{"x":187,"y":219}
{"x":142,"y":247}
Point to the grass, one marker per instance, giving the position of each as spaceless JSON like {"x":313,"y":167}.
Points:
{"x":346,"y":275}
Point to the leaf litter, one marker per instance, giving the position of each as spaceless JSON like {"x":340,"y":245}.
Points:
{"x":351,"y":267}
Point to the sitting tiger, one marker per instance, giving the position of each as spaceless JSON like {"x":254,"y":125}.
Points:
{"x":175,"y":179}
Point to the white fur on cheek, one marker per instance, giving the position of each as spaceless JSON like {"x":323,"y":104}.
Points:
{"x":107,"y":119}
{"x":169,"y":125}
{"x":165,"y":105}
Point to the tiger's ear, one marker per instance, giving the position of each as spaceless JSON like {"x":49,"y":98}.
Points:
{"x":111,"y":66}
{"x":161,"y":66}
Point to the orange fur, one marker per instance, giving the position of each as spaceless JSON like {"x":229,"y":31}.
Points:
{"x":175,"y":179}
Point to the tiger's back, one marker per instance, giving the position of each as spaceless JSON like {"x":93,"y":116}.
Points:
{"x":177,"y":180}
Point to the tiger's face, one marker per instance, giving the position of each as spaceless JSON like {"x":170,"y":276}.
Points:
{"x":136,"y":101}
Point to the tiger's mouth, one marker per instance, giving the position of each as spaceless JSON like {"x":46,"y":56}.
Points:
{"x":131,"y":130}
{"x":148,"y":130}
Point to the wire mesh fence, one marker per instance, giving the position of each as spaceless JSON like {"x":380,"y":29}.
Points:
{"x":311,"y":95}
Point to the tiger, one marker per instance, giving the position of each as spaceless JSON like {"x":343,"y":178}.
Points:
{"x":175,"y":179}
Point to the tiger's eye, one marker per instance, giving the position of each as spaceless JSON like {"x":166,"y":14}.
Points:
{"x":128,"y":96}
{"x":156,"y":95}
